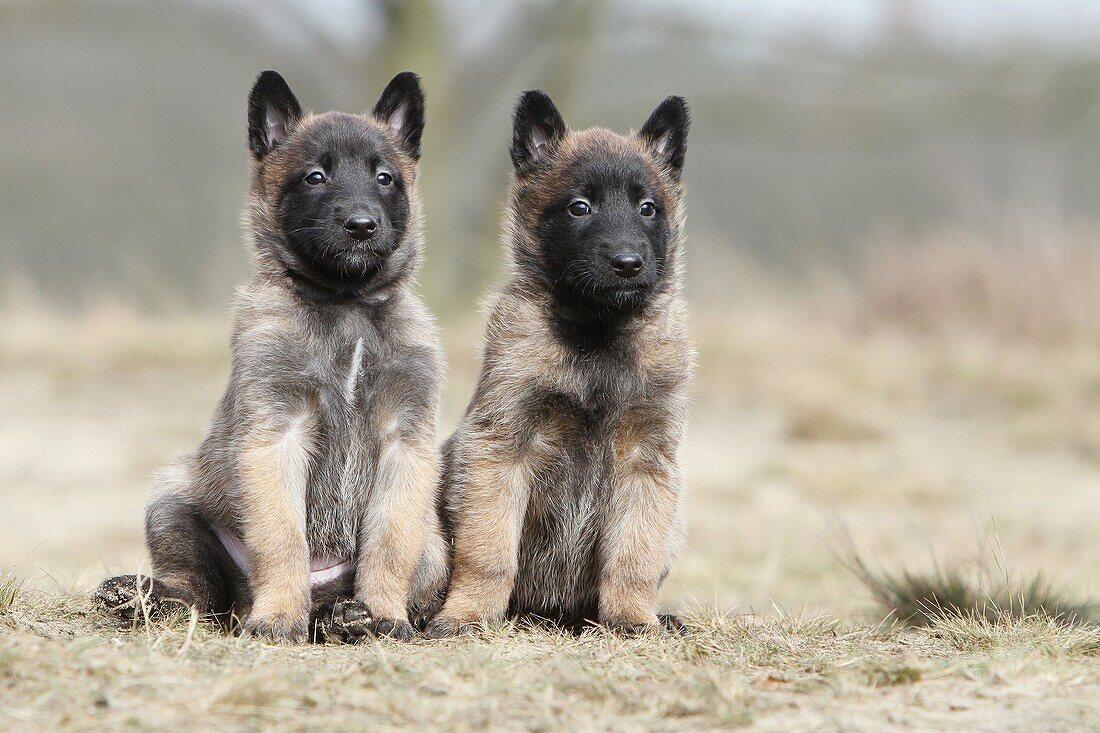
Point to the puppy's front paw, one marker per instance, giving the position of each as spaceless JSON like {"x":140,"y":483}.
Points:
{"x":444,"y":627}
{"x":634,"y":626}
{"x":420,"y":615}
{"x":352,"y":620}
{"x":395,"y":628}
{"x":279,"y":627}
{"x":672,"y":623}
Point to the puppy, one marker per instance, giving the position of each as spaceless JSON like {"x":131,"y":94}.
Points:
{"x":561,"y":487}
{"x":317,"y":477}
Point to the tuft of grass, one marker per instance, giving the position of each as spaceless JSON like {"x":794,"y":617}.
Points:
{"x":1018,"y":633}
{"x":925,"y":598}
{"x":10,"y":586}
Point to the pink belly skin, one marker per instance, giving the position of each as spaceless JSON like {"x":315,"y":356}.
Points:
{"x":321,"y":569}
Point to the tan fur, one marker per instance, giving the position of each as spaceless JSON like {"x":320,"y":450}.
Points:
{"x":644,"y":502}
{"x":489,"y":523}
{"x":643,"y":519}
{"x":273,"y":470}
{"x":393,"y":531}
{"x":539,"y":522}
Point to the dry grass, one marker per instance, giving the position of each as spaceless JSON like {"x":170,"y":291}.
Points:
{"x":64,"y":669}
{"x":10,"y":586}
{"x":855,"y":413}
{"x":1010,"y":281}
{"x":923,"y":598}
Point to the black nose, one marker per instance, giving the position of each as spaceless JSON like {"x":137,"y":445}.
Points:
{"x":360,"y":227}
{"x":626,"y":264}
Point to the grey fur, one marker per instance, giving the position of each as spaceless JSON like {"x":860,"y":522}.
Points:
{"x":331,"y":380}
{"x":562,"y":486}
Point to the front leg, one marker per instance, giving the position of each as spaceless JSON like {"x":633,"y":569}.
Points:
{"x":392,"y":534}
{"x":641,"y":521}
{"x":273,"y":468}
{"x":487,"y":502}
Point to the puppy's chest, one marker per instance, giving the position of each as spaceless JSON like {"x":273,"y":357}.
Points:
{"x":347,"y":385}
{"x":571,"y":480}
{"x":352,"y":374}
{"x":354,"y":378}
{"x":575,"y":424}
{"x":349,"y":379}
{"x":571,"y":454}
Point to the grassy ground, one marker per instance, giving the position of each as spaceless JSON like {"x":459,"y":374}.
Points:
{"x":921,"y":450}
{"x":62,"y":667}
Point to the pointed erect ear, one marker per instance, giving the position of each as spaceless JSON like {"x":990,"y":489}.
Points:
{"x":665,"y":134}
{"x":401,"y":106}
{"x":537,"y":129}
{"x":273,"y":111}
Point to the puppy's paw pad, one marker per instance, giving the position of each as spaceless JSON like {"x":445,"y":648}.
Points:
{"x":127,"y":597}
{"x":353,"y":620}
{"x":350,"y":621}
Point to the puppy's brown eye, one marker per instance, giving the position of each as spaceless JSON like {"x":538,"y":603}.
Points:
{"x":384,"y":179}
{"x":647,"y":209}
{"x":315,"y":178}
{"x":580,"y":208}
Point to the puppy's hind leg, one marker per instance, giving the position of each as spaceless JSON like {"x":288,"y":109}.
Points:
{"x":131,"y":598}
{"x":190,"y":565}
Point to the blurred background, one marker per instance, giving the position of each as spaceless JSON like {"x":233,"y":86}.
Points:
{"x":894,"y":237}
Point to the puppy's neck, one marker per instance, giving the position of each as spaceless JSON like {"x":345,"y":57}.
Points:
{"x":318,"y":294}
{"x":582,"y":326}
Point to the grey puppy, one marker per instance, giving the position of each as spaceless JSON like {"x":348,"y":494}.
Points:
{"x":562,"y":484}
{"x":317,"y":478}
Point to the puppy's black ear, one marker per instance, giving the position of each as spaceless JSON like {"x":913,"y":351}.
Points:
{"x":273,"y":111}
{"x":401,"y":106}
{"x":537,"y":129}
{"x":665,"y":134}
